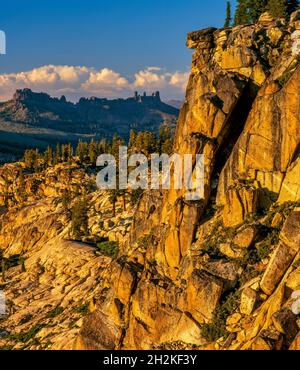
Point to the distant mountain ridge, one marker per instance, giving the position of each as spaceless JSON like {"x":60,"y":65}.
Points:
{"x":33,"y":119}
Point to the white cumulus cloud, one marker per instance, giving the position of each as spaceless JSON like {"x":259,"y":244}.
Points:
{"x":78,"y":81}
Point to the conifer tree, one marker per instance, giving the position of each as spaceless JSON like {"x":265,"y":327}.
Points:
{"x":256,"y":8}
{"x":80,"y":151}
{"x":37,"y":158}
{"x":228,"y":15}
{"x":241,"y":14}
{"x":277,"y":8}
{"x":29,"y":158}
{"x":113,"y":196}
{"x":132,"y":138}
{"x":248,"y":11}
{"x":103,"y":146}
{"x":139,"y":141}
{"x":48,"y":157}
{"x":79,"y":220}
{"x":93,"y":152}
{"x":57,"y":154}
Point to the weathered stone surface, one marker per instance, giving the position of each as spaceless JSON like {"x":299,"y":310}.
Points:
{"x":285,"y":322}
{"x":295,"y":16}
{"x":284,"y":254}
{"x":295,"y":346}
{"x":246,"y":237}
{"x":232,"y":323}
{"x":290,"y":189}
{"x":266,"y":19}
{"x":248,"y":300}
{"x":203,"y":294}
{"x":227,"y":272}
{"x":242,"y":113}
{"x":231,"y":251}
{"x":293,"y":281}
{"x":240,"y":203}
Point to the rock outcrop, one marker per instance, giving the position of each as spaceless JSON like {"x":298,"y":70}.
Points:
{"x":219,"y":273}
{"x":238,"y":247}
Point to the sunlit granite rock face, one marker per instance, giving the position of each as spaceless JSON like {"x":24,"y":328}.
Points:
{"x":185,"y":259}
{"x":220,"y":273}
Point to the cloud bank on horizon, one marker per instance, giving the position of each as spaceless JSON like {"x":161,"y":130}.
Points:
{"x":79,"y":81}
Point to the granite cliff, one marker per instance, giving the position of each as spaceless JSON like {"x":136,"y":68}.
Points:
{"x":193,"y":271}
{"x":220,"y":273}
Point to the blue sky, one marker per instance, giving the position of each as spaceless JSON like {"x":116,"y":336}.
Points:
{"x":125,"y":36}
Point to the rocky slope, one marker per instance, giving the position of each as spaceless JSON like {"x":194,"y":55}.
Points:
{"x":221,"y":273}
{"x":51,"y":281}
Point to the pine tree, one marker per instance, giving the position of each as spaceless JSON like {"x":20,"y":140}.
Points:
{"x":113,"y":196}
{"x":37,"y":158}
{"x":93,"y":152}
{"x":132,"y":138}
{"x":248,"y":11}
{"x":48,"y":157}
{"x":79,"y":220}
{"x":116,"y":143}
{"x":103,"y":146}
{"x":80,"y":151}
{"x":30,"y":158}
{"x":228,"y":15}
{"x":256,"y":8}
{"x":277,"y":8}
{"x":165,"y":140}
{"x":241,"y":14}
{"x":57,"y":157}
{"x":70,"y":152}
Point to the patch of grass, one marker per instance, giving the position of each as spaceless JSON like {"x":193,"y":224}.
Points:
{"x":249,"y":273}
{"x":108,"y":248}
{"x":263,"y":251}
{"x":83,"y":309}
{"x":6,"y":348}
{"x":217,"y":328}
{"x":25,"y":337}
{"x":212,"y":244}
{"x":55,"y":312}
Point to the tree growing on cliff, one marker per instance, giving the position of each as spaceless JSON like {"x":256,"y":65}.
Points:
{"x":228,"y":15}
{"x":79,"y":220}
{"x":48,"y":157}
{"x":248,"y":11}
{"x":113,"y":197}
{"x":93,"y":152}
{"x":241,"y":15}
{"x":278,"y":8}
